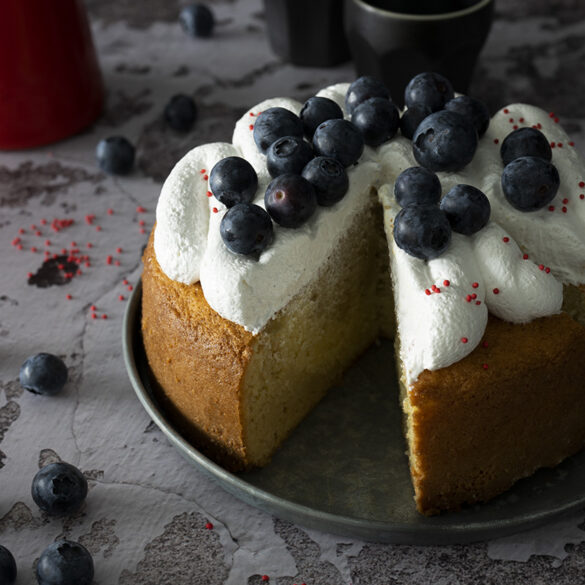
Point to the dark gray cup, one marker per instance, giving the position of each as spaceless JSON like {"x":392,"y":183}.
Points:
{"x":307,"y":32}
{"x":394,"y":45}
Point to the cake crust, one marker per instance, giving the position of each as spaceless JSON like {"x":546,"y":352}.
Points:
{"x":515,"y":404}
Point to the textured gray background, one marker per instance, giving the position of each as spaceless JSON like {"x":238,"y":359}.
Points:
{"x":147,"y":510}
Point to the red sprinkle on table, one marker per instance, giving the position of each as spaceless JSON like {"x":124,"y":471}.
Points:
{"x":485,"y":366}
{"x":68,"y":297}
{"x":265,"y":578}
{"x":209,"y":525}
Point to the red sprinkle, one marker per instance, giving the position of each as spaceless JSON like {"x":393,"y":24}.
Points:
{"x":215,"y":210}
{"x":203,"y":171}
{"x":209,"y":194}
{"x":464,"y":340}
{"x":485,"y":366}
{"x":473,"y":296}
{"x":22,"y":231}
{"x":129,"y":287}
{"x":93,"y":316}
{"x":265,"y":578}
{"x":446,"y":283}
{"x":525,"y":257}
{"x":104,"y":316}
{"x":110,"y":212}
{"x":564,"y":209}
{"x":205,"y":177}
{"x":551,"y":207}
{"x":485,"y":344}
{"x":109,"y":259}
{"x":496,"y":291}
{"x":552,"y":144}
{"x":547,"y":270}
{"x":468,"y":298}
{"x":43,"y":221}
{"x":251,"y":126}
{"x":581,"y":184}
{"x":478,"y":303}
{"x":118,"y":250}
{"x":496,"y":140}
{"x":427,"y":292}
{"x":541,"y":266}
{"x":565,"y":201}
{"x":475,"y":285}
{"x":121,"y":297}
{"x":98,"y":228}
{"x":209,"y":525}
{"x":93,"y":308}
{"x":506,"y":111}
{"x":582,"y":196}
{"x":506,"y":239}
{"x":68,"y":297}
{"x":140,"y":209}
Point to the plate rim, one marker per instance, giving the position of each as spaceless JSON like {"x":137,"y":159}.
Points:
{"x":429,"y":531}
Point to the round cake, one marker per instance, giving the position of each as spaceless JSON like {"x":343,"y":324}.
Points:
{"x":278,"y":259}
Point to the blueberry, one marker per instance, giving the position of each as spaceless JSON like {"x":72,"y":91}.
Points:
{"x":363,"y":89}
{"x":444,"y":141}
{"x":65,"y":562}
{"x":7,"y":567}
{"x":473,"y":109}
{"x":43,"y":373}
{"x":422,"y":231}
{"x":289,"y":154}
{"x":246,"y":229}
{"x":290,"y":200}
{"x":59,"y":489}
{"x":339,"y":139}
{"x":411,"y":118}
{"x":530,"y":182}
{"x":525,"y":142}
{"x":274,"y":123}
{"x":181,"y":112}
{"x":197,"y":20}
{"x":317,"y":110}
{"x":417,"y":186}
{"x":467,"y":208}
{"x":328,"y":178}
{"x":233,"y":180}
{"x":377,"y":119}
{"x":115,"y":155}
{"x":430,"y":89}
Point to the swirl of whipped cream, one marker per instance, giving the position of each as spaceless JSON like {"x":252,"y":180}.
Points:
{"x":555,"y":234}
{"x":442,"y":304}
{"x":188,"y":243}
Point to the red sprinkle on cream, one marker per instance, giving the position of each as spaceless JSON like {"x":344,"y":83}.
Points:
{"x":427,"y":292}
{"x":551,"y":207}
{"x":496,"y":141}
{"x":209,"y":525}
{"x":525,"y":257}
{"x":215,"y":210}
{"x":464,"y":340}
{"x":475,"y":284}
{"x":505,"y":239}
{"x":446,"y":283}
{"x":496,"y":291}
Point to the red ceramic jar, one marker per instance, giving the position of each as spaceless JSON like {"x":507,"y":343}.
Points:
{"x":50,"y":82}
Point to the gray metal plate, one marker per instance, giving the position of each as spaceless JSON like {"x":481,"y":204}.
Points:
{"x":344,"y":469}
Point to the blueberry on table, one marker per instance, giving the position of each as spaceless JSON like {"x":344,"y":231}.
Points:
{"x":59,"y":489}
{"x":417,"y":186}
{"x":290,"y":200}
{"x":181,"y":112}
{"x":289,"y":154}
{"x":422,"y":231}
{"x":43,"y":373}
{"x":274,"y":123}
{"x":377,"y":119}
{"x":329,"y":179}
{"x":115,"y":155}
{"x":197,"y":20}
{"x":246,"y":229}
{"x":317,"y":110}
{"x":65,"y":562}
{"x":473,"y":109}
{"x":411,"y":118}
{"x":233,"y":180}
{"x":444,"y":141}
{"x":339,"y":139}
{"x":7,"y":567}
{"x":525,"y":142}
{"x":363,"y":89}
{"x":467,"y":209}
{"x":429,"y":89}
{"x":530,"y":182}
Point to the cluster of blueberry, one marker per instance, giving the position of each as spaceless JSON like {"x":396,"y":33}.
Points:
{"x":529,"y":180}
{"x":307,"y":156}
{"x":58,"y":489}
{"x":423,"y":226}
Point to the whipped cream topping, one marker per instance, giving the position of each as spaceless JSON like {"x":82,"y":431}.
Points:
{"x":484,"y":272}
{"x":555,"y":234}
{"x":442,"y":304}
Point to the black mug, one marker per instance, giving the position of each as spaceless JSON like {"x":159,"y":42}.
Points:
{"x":396,"y":39}
{"x":307,"y":32}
